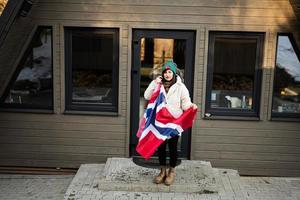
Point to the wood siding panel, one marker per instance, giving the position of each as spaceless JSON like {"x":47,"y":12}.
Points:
{"x":247,"y":147}
{"x":50,"y":15}
{"x":67,"y":149}
{"x":247,"y":156}
{"x":52,"y":159}
{"x":62,"y":141}
{"x":98,"y":135}
{"x":282,"y":141}
{"x":205,"y":3}
{"x":49,"y":163}
{"x":61,"y":126}
{"x":56,"y":156}
{"x":15,"y":117}
{"x":265,"y":125}
{"x":236,"y":132}
{"x":172,"y":10}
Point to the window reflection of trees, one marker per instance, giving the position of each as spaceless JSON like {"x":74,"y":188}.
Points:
{"x":286,"y":90}
{"x":33,"y":84}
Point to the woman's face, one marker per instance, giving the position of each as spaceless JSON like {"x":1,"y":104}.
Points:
{"x":168,"y":75}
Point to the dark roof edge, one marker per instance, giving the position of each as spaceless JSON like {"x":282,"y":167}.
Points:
{"x":8,"y":16}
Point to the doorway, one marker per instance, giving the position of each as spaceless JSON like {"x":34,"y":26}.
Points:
{"x":150,"y":49}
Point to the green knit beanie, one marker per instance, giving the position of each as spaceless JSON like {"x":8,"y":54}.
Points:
{"x":170,"y":65}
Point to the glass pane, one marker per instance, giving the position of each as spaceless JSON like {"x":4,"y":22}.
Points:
{"x":92,"y":64}
{"x":233,"y":73}
{"x":33,"y":85}
{"x":286,"y":95}
{"x":154,"y":53}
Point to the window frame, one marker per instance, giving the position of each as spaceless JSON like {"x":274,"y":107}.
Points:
{"x":225,"y":112}
{"x":277,"y":115}
{"x":85,"y":107}
{"x":29,"y":107}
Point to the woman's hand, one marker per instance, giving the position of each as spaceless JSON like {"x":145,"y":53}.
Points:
{"x":158,"y":79}
{"x":194,"y":106}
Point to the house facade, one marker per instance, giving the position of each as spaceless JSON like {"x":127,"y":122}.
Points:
{"x":72,"y":76}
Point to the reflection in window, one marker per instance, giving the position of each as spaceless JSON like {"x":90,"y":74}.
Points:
{"x":233,"y":73}
{"x":286,"y":93}
{"x":92,"y":69}
{"x":154,"y":53}
{"x":32,"y":87}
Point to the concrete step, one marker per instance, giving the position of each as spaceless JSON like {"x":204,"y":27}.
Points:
{"x":120,"y":178}
{"x":122,"y":174}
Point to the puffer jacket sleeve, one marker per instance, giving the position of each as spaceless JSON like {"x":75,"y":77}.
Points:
{"x":150,"y":89}
{"x":185,"y":98}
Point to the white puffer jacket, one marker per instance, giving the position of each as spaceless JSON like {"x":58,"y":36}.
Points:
{"x":178,"y":97}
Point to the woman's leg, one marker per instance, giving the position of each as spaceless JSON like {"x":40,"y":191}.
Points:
{"x":173,"y":160}
{"x":173,"y":150}
{"x":162,"y":153}
{"x":160,"y":178}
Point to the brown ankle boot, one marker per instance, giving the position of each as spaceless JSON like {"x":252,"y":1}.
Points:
{"x":160,"y":178}
{"x":171,"y":176}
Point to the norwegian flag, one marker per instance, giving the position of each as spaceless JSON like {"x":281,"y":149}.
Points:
{"x":158,"y":124}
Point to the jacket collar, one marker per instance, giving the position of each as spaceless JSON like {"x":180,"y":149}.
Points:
{"x":175,"y":85}
{"x":178,"y":81}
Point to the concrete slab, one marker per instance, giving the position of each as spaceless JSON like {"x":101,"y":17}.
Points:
{"x":92,"y":182}
{"x":122,"y":174}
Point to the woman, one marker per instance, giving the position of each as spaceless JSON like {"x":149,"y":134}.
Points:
{"x":177,"y":100}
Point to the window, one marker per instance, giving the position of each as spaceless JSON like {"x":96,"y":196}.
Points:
{"x":31,"y":86}
{"x":234,"y":74}
{"x":286,"y":90}
{"x":92,"y":63}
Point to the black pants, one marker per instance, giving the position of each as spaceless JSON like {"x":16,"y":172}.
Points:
{"x":172,"y":143}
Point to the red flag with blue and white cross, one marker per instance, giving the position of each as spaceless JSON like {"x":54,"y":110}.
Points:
{"x":158,"y":124}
